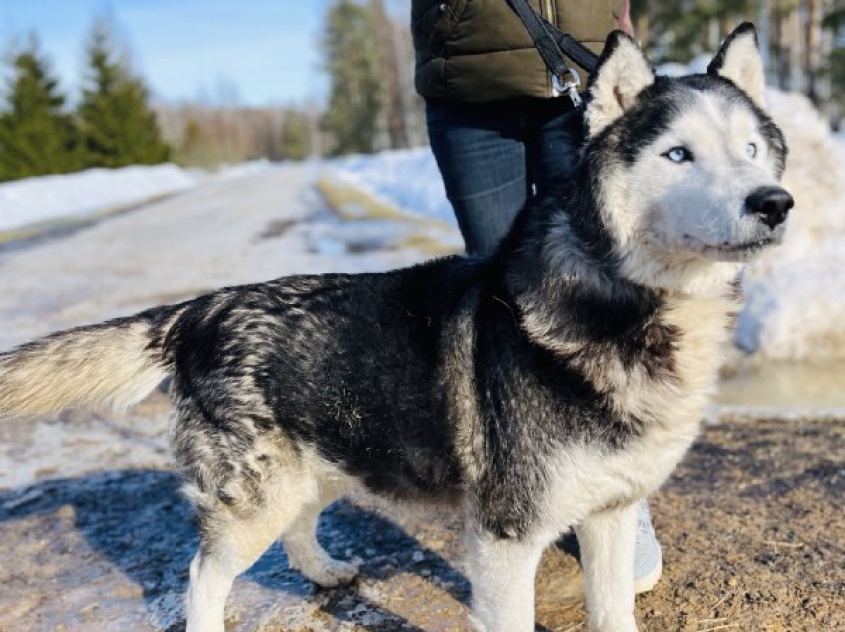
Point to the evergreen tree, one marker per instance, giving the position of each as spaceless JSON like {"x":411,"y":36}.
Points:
{"x":834,"y":21}
{"x":679,"y":30}
{"x":295,"y":142}
{"x":37,"y":136}
{"x":351,"y":49}
{"x":117,"y":124}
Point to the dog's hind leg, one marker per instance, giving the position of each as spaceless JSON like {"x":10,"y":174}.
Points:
{"x":608,"y":542}
{"x":231,"y":542}
{"x":304,"y":551}
{"x":502,"y":571}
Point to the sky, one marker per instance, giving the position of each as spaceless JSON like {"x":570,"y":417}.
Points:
{"x":245,"y":52}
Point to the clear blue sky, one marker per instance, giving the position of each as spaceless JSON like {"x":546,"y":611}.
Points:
{"x":267,"y":49}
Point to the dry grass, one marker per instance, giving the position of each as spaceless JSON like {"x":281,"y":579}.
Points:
{"x":428,"y":245}
{"x":341,"y":199}
{"x":350,"y":203}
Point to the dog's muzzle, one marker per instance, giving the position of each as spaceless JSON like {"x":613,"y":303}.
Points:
{"x":770,"y":205}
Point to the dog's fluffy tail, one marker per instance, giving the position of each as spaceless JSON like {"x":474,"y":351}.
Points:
{"x":114,"y":364}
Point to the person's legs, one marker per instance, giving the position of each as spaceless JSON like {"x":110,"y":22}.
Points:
{"x":648,"y":556}
{"x":481,"y":156}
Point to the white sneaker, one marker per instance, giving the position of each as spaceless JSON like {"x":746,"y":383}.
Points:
{"x":648,"y":558}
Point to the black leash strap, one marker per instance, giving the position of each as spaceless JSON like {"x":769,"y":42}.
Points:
{"x":554,"y":47}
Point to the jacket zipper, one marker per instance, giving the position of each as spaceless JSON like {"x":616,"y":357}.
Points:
{"x":547,"y":10}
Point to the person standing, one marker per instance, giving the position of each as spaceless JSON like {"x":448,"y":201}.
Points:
{"x":501,"y":132}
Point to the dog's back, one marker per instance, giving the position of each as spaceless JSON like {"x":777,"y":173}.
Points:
{"x":346,"y":365}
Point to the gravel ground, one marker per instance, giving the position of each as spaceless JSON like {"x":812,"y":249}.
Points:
{"x":96,"y":536}
{"x":751,"y":526}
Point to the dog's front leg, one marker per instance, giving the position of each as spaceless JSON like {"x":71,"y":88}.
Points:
{"x":607,"y":541}
{"x":501,"y":571}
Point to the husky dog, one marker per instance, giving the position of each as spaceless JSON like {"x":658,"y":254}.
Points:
{"x":550,"y":386}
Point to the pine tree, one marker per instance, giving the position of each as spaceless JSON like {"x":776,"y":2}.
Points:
{"x":117,"y":124}
{"x":350,"y":46}
{"x":295,"y":142}
{"x":37,"y":136}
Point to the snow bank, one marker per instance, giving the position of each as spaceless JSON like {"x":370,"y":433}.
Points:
{"x":795,"y":295}
{"x":36,"y":200}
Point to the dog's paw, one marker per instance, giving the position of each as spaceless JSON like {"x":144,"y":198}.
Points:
{"x":619,"y":624}
{"x":333,"y":573}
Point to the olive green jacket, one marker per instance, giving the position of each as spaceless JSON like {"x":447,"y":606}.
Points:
{"x":479,"y":50}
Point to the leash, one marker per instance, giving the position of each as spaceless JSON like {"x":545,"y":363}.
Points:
{"x":554,"y":47}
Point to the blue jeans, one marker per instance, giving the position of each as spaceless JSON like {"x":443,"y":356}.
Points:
{"x":494,"y":156}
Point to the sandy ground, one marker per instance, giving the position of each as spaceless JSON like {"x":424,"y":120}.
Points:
{"x":96,"y":536}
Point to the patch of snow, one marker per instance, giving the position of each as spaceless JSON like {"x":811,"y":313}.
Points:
{"x":220,"y":233}
{"x":36,"y":200}
{"x":696,"y":66}
{"x":406,"y":179}
{"x":795,"y":295}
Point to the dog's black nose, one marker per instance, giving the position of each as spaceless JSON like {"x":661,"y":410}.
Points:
{"x":770,"y":204}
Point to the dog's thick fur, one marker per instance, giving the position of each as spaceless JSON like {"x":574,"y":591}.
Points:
{"x":550,"y":386}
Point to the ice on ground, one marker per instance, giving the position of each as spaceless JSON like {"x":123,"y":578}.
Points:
{"x":252,"y":167}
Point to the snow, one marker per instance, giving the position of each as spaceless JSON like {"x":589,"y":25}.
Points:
{"x":32,"y":201}
{"x":407,"y":179}
{"x":696,"y":66}
{"x":225,"y":231}
{"x":795,"y":295}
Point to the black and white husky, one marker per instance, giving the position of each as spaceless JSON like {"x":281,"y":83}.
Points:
{"x":550,"y":386}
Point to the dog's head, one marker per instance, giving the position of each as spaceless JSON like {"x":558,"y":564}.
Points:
{"x":687,"y":168}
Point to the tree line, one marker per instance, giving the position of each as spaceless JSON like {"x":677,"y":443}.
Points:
{"x":111,"y":125}
{"x":210,"y":134}
{"x":801,"y":40}
{"x":369,"y":57}
{"x":112,"y":122}
{"x":371,"y":104}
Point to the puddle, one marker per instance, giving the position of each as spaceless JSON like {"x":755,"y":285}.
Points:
{"x":787,"y":386}
{"x":277,"y":228}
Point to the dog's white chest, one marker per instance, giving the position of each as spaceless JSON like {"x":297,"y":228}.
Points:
{"x":583,"y":479}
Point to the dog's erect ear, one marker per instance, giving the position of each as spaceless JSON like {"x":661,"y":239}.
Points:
{"x":739,"y":60}
{"x":623,"y":72}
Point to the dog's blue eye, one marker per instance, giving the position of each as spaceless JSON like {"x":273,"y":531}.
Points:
{"x":751,"y":150}
{"x":679,"y":154}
